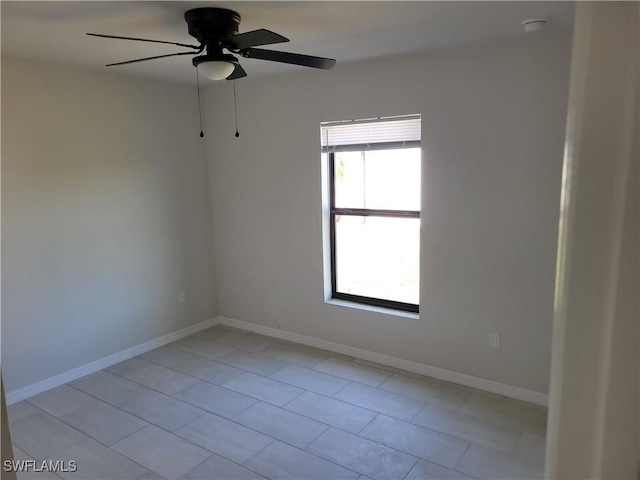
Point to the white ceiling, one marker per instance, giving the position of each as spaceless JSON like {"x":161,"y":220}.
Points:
{"x":346,"y":31}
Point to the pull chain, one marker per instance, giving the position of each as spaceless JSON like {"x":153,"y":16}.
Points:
{"x":235,"y":106}
{"x":199,"y":103}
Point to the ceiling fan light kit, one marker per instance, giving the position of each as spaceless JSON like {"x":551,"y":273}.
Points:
{"x":216,"y":30}
{"x":216,"y":70}
{"x":216,"y":67}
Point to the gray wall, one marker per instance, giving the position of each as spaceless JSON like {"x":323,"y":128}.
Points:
{"x":493,"y":121}
{"x":105,"y":217}
{"x":106,"y":208}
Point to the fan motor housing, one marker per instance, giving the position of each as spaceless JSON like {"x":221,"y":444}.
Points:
{"x":209,"y":25}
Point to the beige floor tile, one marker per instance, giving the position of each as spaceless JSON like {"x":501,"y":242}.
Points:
{"x":501,"y":410}
{"x":315,"y":350}
{"x":94,"y":461}
{"x":508,"y":412}
{"x":361,"y":455}
{"x":149,"y":475}
{"x":281,"y":424}
{"x":265,"y":389}
{"x":20,"y":410}
{"x":61,"y":400}
{"x":281,"y":461}
{"x":435,"y":394}
{"x":26,"y":471}
{"x":424,"y":470}
{"x":161,"y":379}
{"x":224,"y":437}
{"x":172,"y":358}
{"x":525,"y":408}
{"x":531,"y":446}
{"x":525,"y":461}
{"x":380,"y":401}
{"x":420,"y":442}
{"x":331,"y":411}
{"x":297,"y":355}
{"x":215,"y":399}
{"x":196,"y":366}
{"x":162,"y":411}
{"x":242,"y":340}
{"x":387,"y":368}
{"x":471,"y":428}
{"x":201,"y":346}
{"x":103,"y":422}
{"x":218,"y":468}
{"x":353,"y":371}
{"x":40,"y":435}
{"x":310,"y":380}
{"x":253,"y":363}
{"x":162,"y":452}
{"x":128,"y":366}
{"x":242,"y":398}
{"x":110,"y":388}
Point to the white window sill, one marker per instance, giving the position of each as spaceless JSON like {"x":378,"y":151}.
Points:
{"x":371,"y":308}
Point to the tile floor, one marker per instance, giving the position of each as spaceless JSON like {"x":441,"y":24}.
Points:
{"x":227,"y":404}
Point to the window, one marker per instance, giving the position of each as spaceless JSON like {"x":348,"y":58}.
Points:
{"x":373,"y":183}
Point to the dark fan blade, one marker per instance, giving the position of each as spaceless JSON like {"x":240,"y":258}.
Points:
{"x":151,"y":58}
{"x":286,"y":57}
{"x":142,"y":40}
{"x":237,"y":73}
{"x":252,"y":39}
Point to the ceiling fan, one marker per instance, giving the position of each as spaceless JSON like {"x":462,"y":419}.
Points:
{"x":216,"y":30}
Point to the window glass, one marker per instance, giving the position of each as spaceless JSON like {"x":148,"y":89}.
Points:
{"x":378,"y":257}
{"x":378,"y":179}
{"x":374,"y":179}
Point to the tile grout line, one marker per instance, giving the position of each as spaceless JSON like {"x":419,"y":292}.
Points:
{"x":418,"y":459}
{"x":149,"y":424}
{"x":281,"y":407}
{"x":435,"y":462}
{"x":302,"y":450}
{"x":345,"y":386}
{"x":462,"y":457}
{"x":369,"y":440}
{"x":85,"y":434}
{"x":350,"y":382}
{"x":368,"y":423}
{"x":218,"y":359}
{"x":377,"y":413}
{"x":382,"y":413}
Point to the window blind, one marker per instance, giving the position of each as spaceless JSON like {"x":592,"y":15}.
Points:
{"x":367,"y":134}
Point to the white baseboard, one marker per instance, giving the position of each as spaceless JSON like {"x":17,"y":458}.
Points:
{"x":415,"y":367}
{"x":79,"y":372}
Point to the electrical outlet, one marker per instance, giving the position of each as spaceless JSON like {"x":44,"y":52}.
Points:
{"x":494,"y":340}
{"x":182,"y":297}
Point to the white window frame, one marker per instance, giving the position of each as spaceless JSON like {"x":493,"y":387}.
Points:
{"x":361,"y":135}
